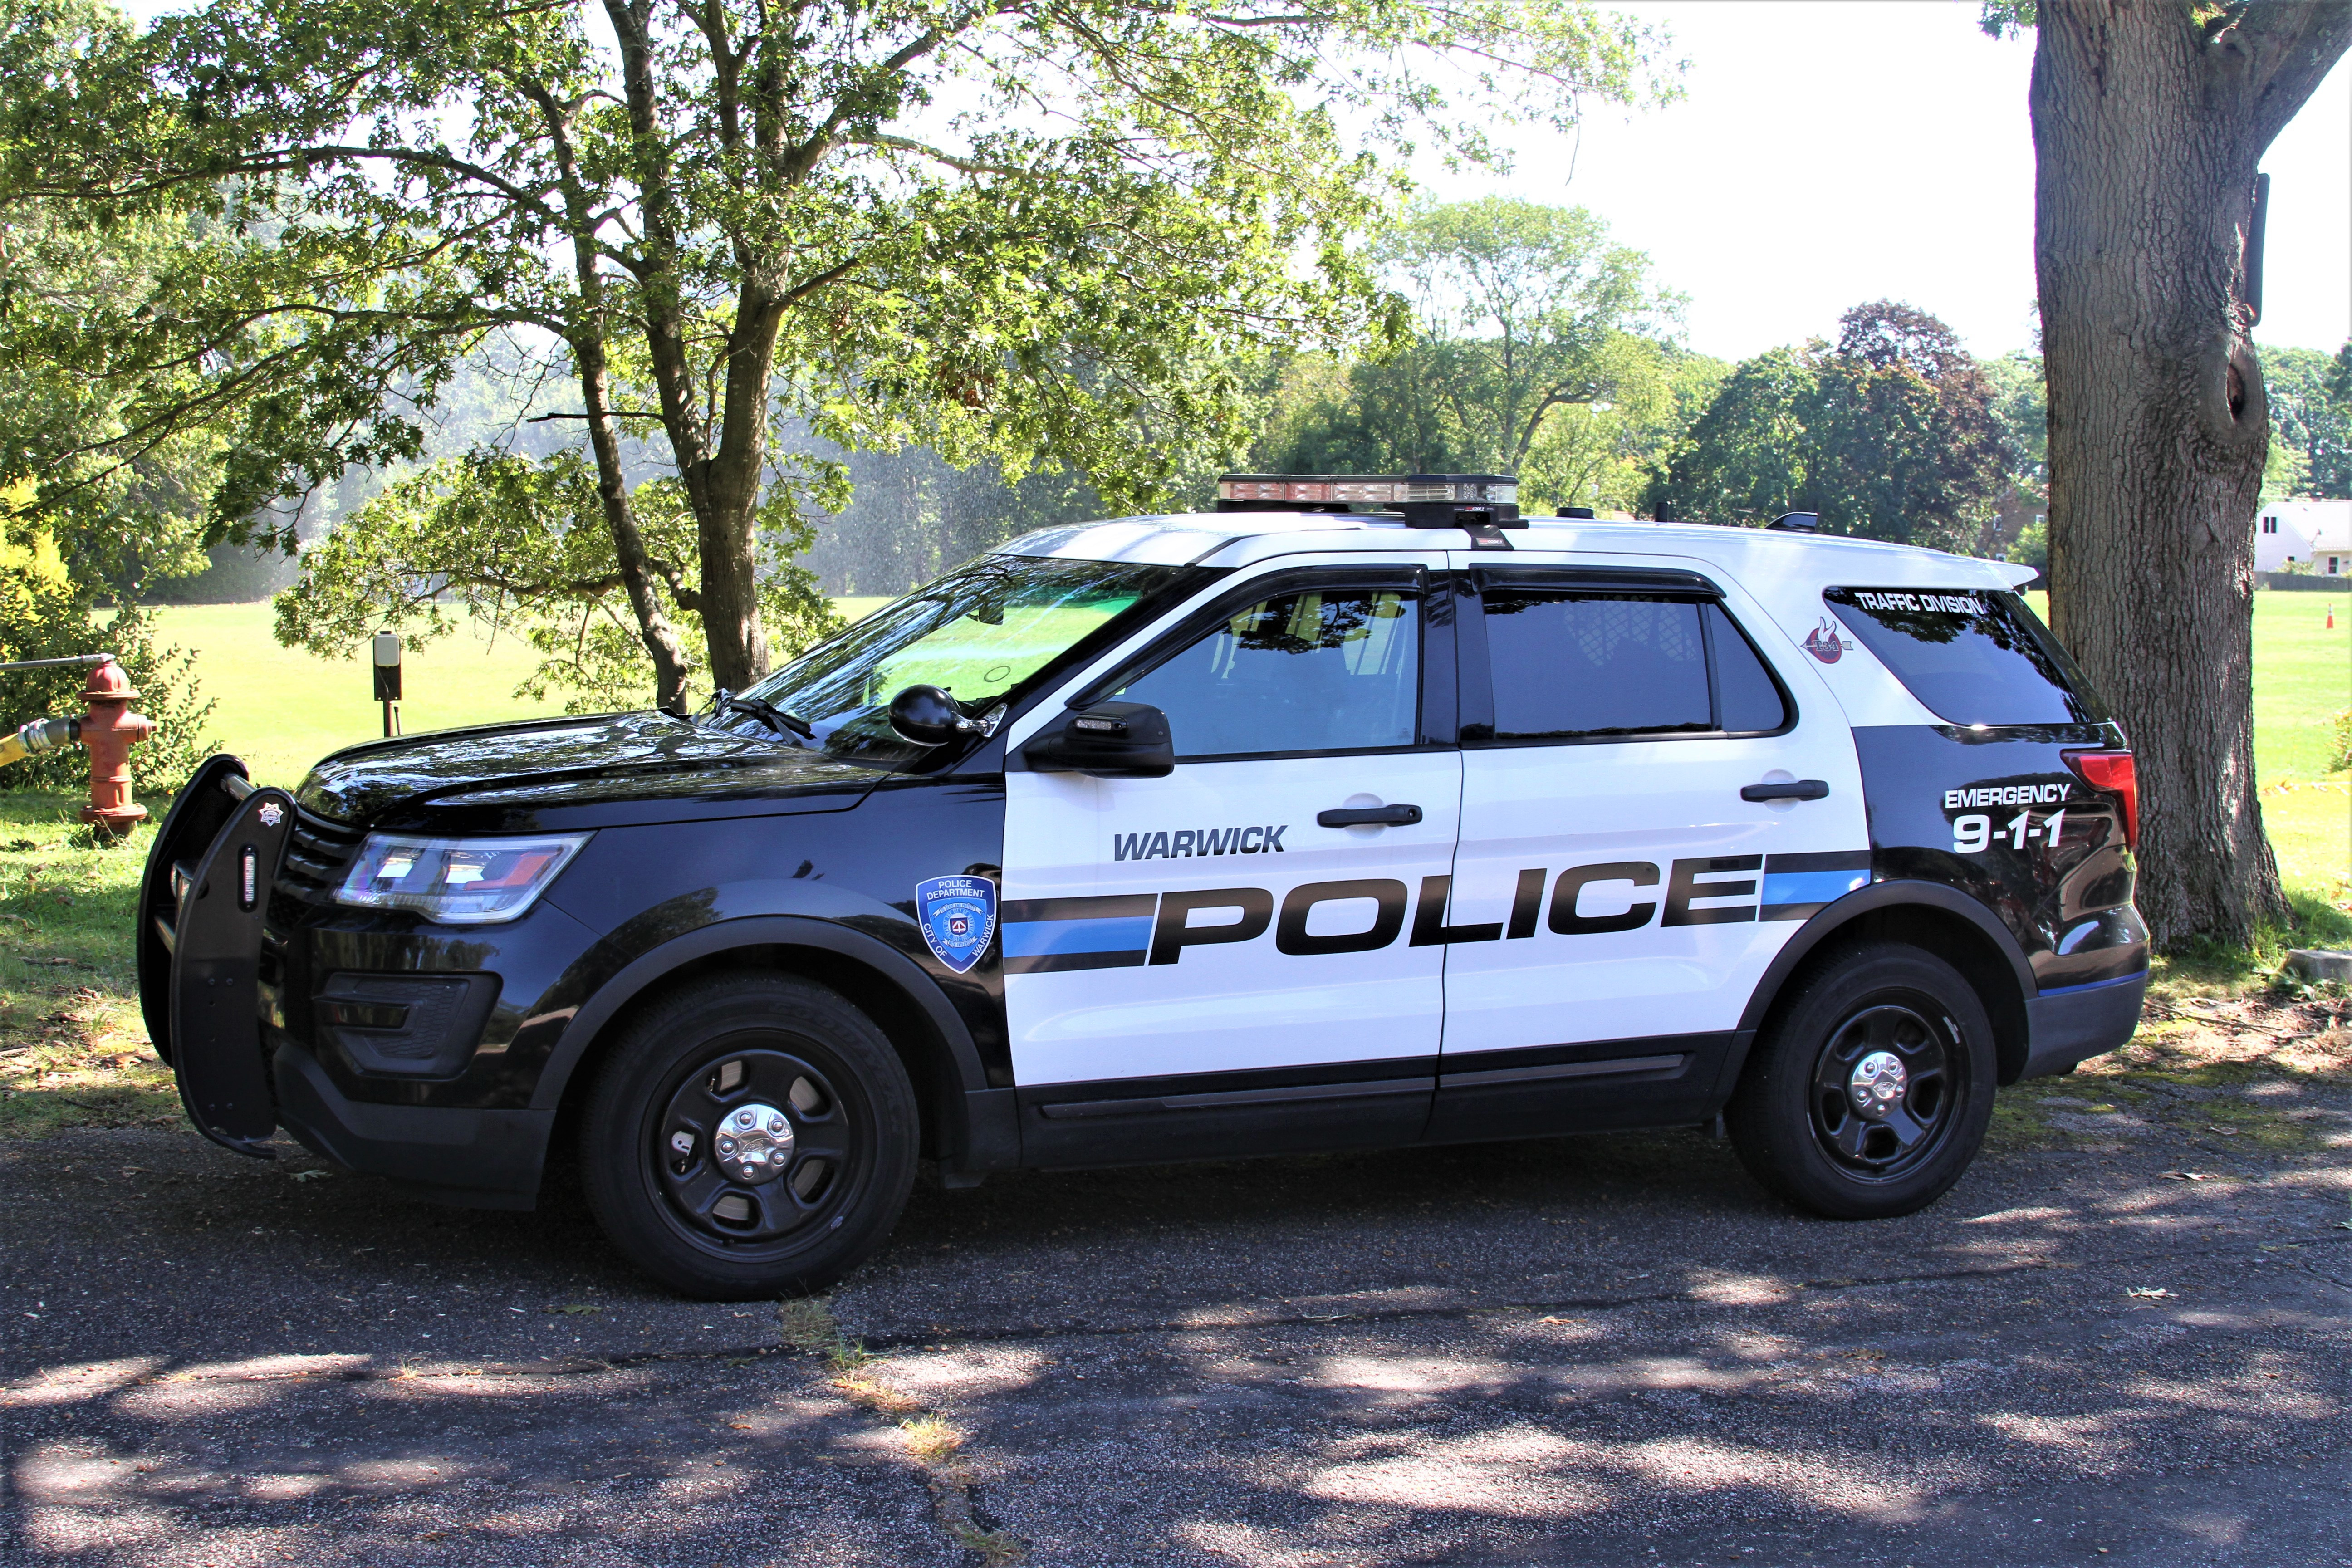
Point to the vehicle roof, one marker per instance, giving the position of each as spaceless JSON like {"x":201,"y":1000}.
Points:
{"x":1243,"y":538}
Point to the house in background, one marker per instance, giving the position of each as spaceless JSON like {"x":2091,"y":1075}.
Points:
{"x":2318,"y":532}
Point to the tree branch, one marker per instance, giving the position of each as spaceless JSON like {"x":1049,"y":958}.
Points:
{"x":937,"y":154}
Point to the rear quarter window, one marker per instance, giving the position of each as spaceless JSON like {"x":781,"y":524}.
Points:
{"x":1971,"y":655}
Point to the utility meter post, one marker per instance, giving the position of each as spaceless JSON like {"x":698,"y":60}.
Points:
{"x":387,"y":680}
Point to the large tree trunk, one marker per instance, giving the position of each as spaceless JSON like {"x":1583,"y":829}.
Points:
{"x":654,"y":627}
{"x":721,"y":477}
{"x":2147,"y":124}
{"x":727,"y":500}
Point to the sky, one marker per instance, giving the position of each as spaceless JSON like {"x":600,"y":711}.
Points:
{"x":1827,"y":154}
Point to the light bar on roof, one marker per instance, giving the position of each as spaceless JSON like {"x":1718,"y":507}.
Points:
{"x":1369,"y":489}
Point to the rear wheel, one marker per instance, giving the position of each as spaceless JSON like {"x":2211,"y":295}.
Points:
{"x":1870,"y":1093}
{"x":752,"y":1136}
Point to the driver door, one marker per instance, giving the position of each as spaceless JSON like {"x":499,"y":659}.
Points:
{"x":1196,"y":964}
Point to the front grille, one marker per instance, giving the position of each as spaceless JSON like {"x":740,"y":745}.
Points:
{"x":317,"y":851}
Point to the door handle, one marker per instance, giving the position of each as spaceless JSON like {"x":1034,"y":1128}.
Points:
{"x":1369,"y":817}
{"x":1788,"y":789}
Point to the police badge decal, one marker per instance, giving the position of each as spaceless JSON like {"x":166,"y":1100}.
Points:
{"x":958,"y":915}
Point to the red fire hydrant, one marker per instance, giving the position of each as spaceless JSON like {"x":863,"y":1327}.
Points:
{"x":107,"y":729}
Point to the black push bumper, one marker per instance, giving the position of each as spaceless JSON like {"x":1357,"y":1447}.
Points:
{"x":202,"y":906}
{"x":202,"y":903}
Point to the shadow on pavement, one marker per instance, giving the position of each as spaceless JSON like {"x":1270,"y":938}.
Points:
{"x":1603,"y":1350}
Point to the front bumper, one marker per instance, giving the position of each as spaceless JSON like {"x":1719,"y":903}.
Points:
{"x":212,"y":997}
{"x":478,"y":1159}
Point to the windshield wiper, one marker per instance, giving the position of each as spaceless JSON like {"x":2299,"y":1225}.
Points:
{"x":775,"y":718}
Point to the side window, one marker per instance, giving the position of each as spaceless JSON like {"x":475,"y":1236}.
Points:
{"x":1751,"y":698}
{"x":1972,"y":656}
{"x":1577,"y":665}
{"x":1314,"y":671}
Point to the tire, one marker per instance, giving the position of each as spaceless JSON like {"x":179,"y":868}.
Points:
{"x":1819,"y":1121}
{"x":707,"y":1194}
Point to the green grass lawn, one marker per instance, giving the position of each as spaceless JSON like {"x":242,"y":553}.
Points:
{"x":282,"y":708}
{"x":72,"y":1046}
{"x":2303,"y":678}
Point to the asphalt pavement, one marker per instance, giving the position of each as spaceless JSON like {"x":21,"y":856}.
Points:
{"x":1591,"y":1351}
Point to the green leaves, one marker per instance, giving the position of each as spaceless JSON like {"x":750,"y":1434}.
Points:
{"x":1890,"y":434}
{"x":521,"y":543}
{"x":1531,"y":345}
{"x":2310,"y":398}
{"x":1037,"y":232}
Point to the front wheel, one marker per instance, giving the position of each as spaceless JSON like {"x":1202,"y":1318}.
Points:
{"x":1870,"y":1092}
{"x":752,"y":1136}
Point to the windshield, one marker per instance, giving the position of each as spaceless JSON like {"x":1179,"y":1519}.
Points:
{"x":980,"y":631}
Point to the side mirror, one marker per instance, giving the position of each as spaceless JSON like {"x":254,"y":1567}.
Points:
{"x":1107,"y":740}
{"x":927,"y":716}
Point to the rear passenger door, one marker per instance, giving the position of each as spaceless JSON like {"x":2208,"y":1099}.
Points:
{"x":1616,"y":897}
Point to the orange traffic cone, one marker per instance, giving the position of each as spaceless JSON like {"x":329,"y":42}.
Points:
{"x":2331,"y":617}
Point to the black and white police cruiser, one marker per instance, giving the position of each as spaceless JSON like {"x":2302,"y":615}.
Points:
{"x":1361,"y":812}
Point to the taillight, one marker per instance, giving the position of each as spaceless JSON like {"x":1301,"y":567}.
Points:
{"x":2114,"y":773}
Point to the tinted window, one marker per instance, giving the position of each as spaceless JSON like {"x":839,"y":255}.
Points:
{"x":1751,"y":699}
{"x":1568,"y":665}
{"x":1304,"y":672}
{"x":1971,"y":655}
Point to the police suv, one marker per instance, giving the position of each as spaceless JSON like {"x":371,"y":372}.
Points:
{"x":1360,"y":813}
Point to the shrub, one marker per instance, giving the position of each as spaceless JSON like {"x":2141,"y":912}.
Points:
{"x":43,"y":614}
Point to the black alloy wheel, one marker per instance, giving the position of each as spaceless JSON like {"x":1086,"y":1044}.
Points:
{"x":1880,"y":1091}
{"x":1869,"y":1090}
{"x":752,"y":1146}
{"x":747,"y":1136}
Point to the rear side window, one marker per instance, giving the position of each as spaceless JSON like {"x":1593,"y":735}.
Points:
{"x":1570,"y":665}
{"x":1971,"y":655}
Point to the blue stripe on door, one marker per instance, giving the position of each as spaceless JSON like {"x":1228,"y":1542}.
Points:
{"x":1031,"y":939}
{"x":1811,"y":887}
{"x":1797,"y":886}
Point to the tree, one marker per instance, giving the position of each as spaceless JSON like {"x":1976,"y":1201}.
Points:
{"x":2149,"y":117}
{"x":2311,"y":424}
{"x":1891,"y":433}
{"x":521,"y":543}
{"x":1746,"y":458}
{"x":122,"y":507}
{"x":1520,"y":309}
{"x":1533,"y":347}
{"x":1031,"y":228}
{"x":1602,"y":455}
{"x":1904,"y":442}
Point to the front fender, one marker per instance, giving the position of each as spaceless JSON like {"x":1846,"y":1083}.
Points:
{"x":983,"y":1145}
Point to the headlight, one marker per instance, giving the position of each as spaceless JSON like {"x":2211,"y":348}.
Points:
{"x":456,"y":881}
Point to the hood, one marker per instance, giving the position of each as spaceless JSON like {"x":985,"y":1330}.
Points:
{"x":546,"y":773}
